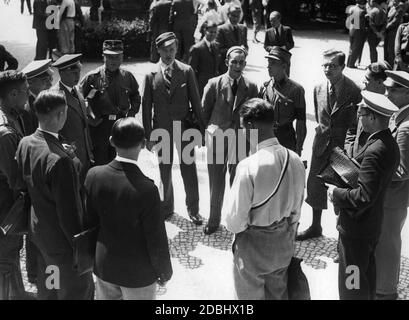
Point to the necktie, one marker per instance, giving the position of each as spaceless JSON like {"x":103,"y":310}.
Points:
{"x":74,"y":93}
{"x":168,"y":78}
{"x":234,"y":87}
{"x":237,"y":34}
{"x":332,"y":97}
{"x":277,"y":33}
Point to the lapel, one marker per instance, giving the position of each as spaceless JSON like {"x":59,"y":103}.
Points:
{"x":323,"y":98}
{"x":72,"y":102}
{"x":342,"y":97}
{"x":159,"y":81}
{"x":50,"y":139}
{"x":241,"y":93}
{"x":177,"y":78}
{"x":371,"y":140}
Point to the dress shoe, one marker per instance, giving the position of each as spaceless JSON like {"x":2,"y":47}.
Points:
{"x":169,"y":215}
{"x":210,"y":229}
{"x":311,"y":232}
{"x":196,"y":219}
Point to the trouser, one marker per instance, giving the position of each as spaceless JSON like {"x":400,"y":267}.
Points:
{"x":373,"y":42}
{"x":57,"y":279}
{"x":103,"y":151}
{"x":286,"y":136}
{"x":357,"y":268}
{"x":109,"y":291}
{"x":261,"y":258}
{"x":389,"y":46}
{"x":11,"y":282}
{"x":356,"y":45}
{"x":185,"y":35}
{"x":28,"y":6}
{"x":189,"y":176}
{"x":66,"y":36}
{"x":388,"y":251}
{"x":31,"y":259}
{"x":42,"y":44}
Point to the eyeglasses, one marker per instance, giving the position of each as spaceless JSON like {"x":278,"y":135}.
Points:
{"x":360,"y":115}
{"x":330,"y":66}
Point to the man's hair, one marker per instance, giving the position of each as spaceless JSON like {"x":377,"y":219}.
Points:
{"x":258,"y":110}
{"x":337,"y":53}
{"x":127,"y":133}
{"x":48,"y":101}
{"x":275,"y":14}
{"x":209,"y":24}
{"x":211,"y":4}
{"x":233,"y":8}
{"x":10,"y":80}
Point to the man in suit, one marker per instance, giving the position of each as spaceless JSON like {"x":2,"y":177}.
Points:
{"x":388,"y":251}
{"x":394,"y":19}
{"x":361,"y":206}
{"x":170,"y":97}
{"x":49,"y":169}
{"x":7,"y":57}
{"x":335,"y":112}
{"x":357,"y":32}
{"x":231,"y":33}
{"x":278,"y":35}
{"x":39,"y":19}
{"x":13,"y":97}
{"x":288,"y":99}
{"x":205,"y":57}
{"x":158,"y":23}
{"x":75,"y":129}
{"x":132,"y":235}
{"x":221,"y":101}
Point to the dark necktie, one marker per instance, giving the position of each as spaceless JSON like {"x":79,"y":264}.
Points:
{"x":74,"y":93}
{"x":237,"y":34}
{"x":277,"y":33}
{"x":168,"y":78}
{"x":234,"y":87}
{"x":332,"y":97}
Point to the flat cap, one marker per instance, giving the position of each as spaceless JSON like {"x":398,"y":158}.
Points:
{"x":113,"y":47}
{"x":165,"y":39}
{"x":237,"y":48}
{"x":279,"y":53}
{"x":378,"y":103}
{"x":37,"y":68}
{"x":67,"y":61}
{"x":397,"y":78}
{"x":377,"y":69}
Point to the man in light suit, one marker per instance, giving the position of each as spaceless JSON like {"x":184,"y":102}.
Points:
{"x":132,"y":235}
{"x":205,"y":57}
{"x":170,"y":97}
{"x":221,"y":101}
{"x":231,"y":33}
{"x":52,"y":179}
{"x":75,"y":130}
{"x":335,"y":103}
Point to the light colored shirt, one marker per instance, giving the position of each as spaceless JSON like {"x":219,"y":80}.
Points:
{"x":49,"y":132}
{"x":121,"y":159}
{"x":67,"y":87}
{"x":256,"y":178}
{"x":164,"y":66}
{"x":68,"y":5}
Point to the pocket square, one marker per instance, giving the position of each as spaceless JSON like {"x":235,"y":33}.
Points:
{"x":183,"y":85}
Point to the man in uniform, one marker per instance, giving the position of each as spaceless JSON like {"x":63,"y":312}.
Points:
{"x":75,"y":130}
{"x":231,"y":33}
{"x":388,"y":252}
{"x":361,"y":207}
{"x":357,"y":32}
{"x":335,"y":112}
{"x":221,"y":101}
{"x":112,"y":93}
{"x":13,"y":97}
{"x":288,"y":99}
{"x":170,"y":95}
{"x":402,"y":48}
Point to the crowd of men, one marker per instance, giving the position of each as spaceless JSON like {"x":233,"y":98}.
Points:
{"x":74,"y":149}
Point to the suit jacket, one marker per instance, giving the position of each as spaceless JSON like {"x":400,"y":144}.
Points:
{"x":284,"y":38}
{"x":183,"y":15}
{"x":204,"y":62}
{"x":132,"y":247}
{"x":339,"y":125}
{"x":226,"y":37}
{"x":39,"y":14}
{"x":397,"y":195}
{"x":76,"y":127}
{"x":159,"y":18}
{"x":220,"y":107}
{"x":361,"y":209}
{"x":6,"y":57}
{"x":160,"y":108}
{"x":53,"y":184}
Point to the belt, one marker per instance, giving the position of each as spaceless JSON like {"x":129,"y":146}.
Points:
{"x":273,"y":225}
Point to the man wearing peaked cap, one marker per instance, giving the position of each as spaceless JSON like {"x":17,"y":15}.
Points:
{"x":112,"y":93}
{"x":361,"y":207}
{"x":76,"y":129}
{"x":388,"y":251}
{"x":170,"y":95}
{"x":288,"y":99}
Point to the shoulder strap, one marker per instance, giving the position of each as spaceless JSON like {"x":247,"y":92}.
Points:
{"x":283,"y":171}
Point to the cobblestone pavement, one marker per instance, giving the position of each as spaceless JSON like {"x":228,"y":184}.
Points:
{"x":202,"y":264}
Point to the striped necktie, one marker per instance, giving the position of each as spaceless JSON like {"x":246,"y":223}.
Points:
{"x":168,"y":78}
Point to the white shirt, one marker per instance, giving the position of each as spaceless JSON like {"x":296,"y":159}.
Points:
{"x":256,"y":178}
{"x":163,"y":67}
{"x":68,"y":5}
{"x":49,"y":132}
{"x":121,"y":159}
{"x":67,"y":87}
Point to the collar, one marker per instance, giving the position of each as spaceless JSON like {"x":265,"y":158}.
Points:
{"x":33,"y":94}
{"x":164,"y":66}
{"x":126,"y":160}
{"x":400,"y":114}
{"x":231,"y":80}
{"x":267,"y":143}
{"x":338,"y":85}
{"x":49,"y":132}
{"x":208,"y":43}
{"x":376,"y":132}
{"x":10,"y":112}
{"x":67,"y":87}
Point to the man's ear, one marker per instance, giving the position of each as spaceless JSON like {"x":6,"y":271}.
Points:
{"x":111,"y":142}
{"x":227,"y":62}
{"x":143,"y":144}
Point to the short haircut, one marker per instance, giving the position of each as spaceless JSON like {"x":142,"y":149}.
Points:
{"x":333,"y":52}
{"x":258,"y":110}
{"x":10,"y":80}
{"x":275,"y":14}
{"x":211,"y":4}
{"x":209,"y":24}
{"x":127,"y":133}
{"x":233,"y":8}
{"x":48,"y":101}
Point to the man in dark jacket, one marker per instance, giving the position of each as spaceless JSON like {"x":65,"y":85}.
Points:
{"x":361,"y":206}
{"x":6,"y":57}
{"x":132,"y":236}
{"x":158,"y":23}
{"x":39,"y":19}
{"x":278,"y":35}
